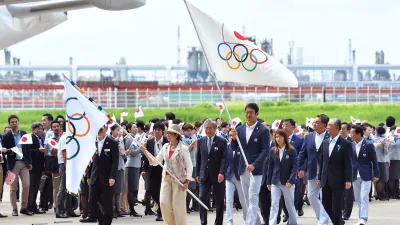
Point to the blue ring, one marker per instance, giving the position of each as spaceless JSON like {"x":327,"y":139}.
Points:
{"x":219,"y":52}
{"x":71,"y":118}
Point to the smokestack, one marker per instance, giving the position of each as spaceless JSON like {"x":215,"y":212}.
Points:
{"x":71,"y":61}
{"x":354,"y":56}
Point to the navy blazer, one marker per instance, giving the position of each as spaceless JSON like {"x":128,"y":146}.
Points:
{"x":335,"y":170}
{"x":297,"y":142}
{"x":282,"y":170}
{"x":309,"y":153}
{"x":256,"y":150}
{"x":213,"y":164}
{"x":232,"y":159}
{"x":366,"y":161}
{"x":8,"y":143}
{"x":37,"y":156}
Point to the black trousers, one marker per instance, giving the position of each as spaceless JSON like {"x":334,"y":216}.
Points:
{"x":34,"y":183}
{"x":46,"y":190}
{"x":155,"y":191}
{"x":219,"y":194}
{"x":348,"y":202}
{"x":101,"y":195}
{"x":332,"y":200}
{"x":265,"y":203}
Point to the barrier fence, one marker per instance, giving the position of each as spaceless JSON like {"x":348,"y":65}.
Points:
{"x":164,"y":96}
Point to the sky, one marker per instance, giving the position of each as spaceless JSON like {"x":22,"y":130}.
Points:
{"x":148,"y":35}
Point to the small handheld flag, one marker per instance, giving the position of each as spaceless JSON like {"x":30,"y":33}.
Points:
{"x":26,"y":139}
{"x":139,"y":112}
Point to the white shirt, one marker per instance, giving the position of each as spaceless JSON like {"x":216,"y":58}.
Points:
{"x":332,"y":143}
{"x":100,"y":145}
{"x":319,"y":138}
{"x":281,"y":150}
{"x":249,"y":131}
{"x":157,"y":146}
{"x":62,"y":145}
{"x":358,"y":148}
{"x":290,"y":138}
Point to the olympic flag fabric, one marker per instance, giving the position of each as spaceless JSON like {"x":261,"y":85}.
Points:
{"x":84,"y":123}
{"x":233,"y":58}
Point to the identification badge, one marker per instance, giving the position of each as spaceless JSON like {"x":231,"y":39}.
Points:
{"x":255,"y":139}
{"x":287,"y":156}
{"x":364,"y":154}
{"x":107,"y":150}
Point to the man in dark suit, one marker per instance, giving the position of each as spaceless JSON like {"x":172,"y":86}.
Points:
{"x":254,"y":138}
{"x":154,"y":173}
{"x":308,"y":158}
{"x":365,"y":170}
{"x":335,"y":172}
{"x":101,"y":178}
{"x":210,"y":170}
{"x":19,"y":166}
{"x":37,"y":153}
{"x":348,"y":193}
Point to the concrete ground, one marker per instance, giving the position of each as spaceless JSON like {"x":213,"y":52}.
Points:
{"x":380,"y":213}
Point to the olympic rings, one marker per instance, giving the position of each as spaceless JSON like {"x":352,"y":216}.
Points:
{"x":71,"y":117}
{"x":77,"y":143}
{"x":227,"y":61}
{"x":74,"y":132}
{"x":243,"y":58}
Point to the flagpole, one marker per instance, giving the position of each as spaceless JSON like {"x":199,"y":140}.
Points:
{"x":134,"y":140}
{"x":219,"y":89}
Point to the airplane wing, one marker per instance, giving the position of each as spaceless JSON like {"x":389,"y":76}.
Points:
{"x":33,"y":9}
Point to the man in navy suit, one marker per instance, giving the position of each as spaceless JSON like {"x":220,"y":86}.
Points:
{"x":364,"y":163}
{"x":254,"y":138}
{"x":211,"y":168}
{"x":335,"y":171}
{"x":309,"y":158}
{"x":289,"y":125}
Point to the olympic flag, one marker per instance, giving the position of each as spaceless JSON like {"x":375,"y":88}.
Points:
{"x":84,"y":123}
{"x":233,"y":58}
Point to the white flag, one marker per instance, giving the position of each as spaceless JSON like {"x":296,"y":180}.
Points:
{"x":235,"y":122}
{"x":84,"y":123}
{"x":233,"y":58}
{"x":123,"y":114}
{"x":26,"y":139}
{"x":139,"y":112}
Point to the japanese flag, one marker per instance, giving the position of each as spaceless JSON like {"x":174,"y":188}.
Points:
{"x":235,"y":122}
{"x":298,"y":130}
{"x":310,"y":122}
{"x":181,"y":124}
{"x":123,"y":114}
{"x":139,"y":112}
{"x":26,"y":139}
{"x":221,"y":107}
{"x":397,"y":131}
{"x":52,"y":143}
{"x":354,"y":120}
{"x":275,"y":124}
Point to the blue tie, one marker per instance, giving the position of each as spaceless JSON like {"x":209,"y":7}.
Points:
{"x":209,"y":145}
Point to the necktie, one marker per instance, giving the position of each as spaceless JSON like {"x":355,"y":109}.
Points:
{"x":209,"y":145}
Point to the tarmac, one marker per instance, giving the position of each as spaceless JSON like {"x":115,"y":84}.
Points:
{"x":380,"y":213}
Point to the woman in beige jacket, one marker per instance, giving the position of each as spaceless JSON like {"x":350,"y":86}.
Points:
{"x":176,"y":158}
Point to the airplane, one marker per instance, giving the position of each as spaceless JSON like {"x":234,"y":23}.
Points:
{"x":23,"y":19}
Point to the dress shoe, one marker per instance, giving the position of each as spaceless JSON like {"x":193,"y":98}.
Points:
{"x":346,"y":218}
{"x":15,"y":212}
{"x":88,"y":220}
{"x":61,"y":215}
{"x":72,"y":214}
{"x":2,"y":216}
{"x":26,"y":212}
{"x":40,"y":211}
{"x":159,"y":218}
{"x":300,"y":212}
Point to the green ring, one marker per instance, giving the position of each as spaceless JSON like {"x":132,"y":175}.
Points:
{"x":255,"y":65}
{"x":77,"y":143}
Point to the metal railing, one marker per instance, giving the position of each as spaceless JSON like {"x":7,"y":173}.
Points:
{"x":178,"y":97}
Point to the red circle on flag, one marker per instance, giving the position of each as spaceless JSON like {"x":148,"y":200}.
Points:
{"x":221,"y":107}
{"x":53,"y":143}
{"x":398,"y":131}
{"x":137,"y":110}
{"x":296,"y":130}
{"x":239,"y":36}
{"x":234,"y":123}
{"x":277,"y":124}
{"x":24,"y":139}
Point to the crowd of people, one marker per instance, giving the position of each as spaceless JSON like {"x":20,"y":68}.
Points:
{"x":249,"y":166}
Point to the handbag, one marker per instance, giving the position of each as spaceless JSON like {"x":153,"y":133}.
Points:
{"x":51,"y":164}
